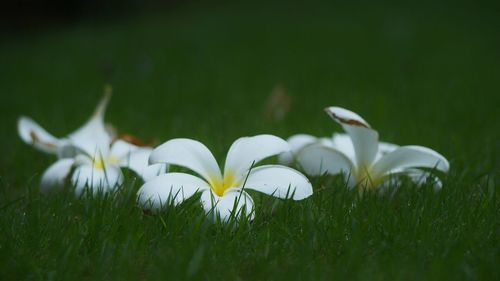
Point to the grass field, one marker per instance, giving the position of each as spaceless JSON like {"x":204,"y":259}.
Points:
{"x":424,"y":74}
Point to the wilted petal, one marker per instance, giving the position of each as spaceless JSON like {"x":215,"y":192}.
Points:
{"x":172,"y":187}
{"x":93,"y":137}
{"x":234,"y":203}
{"x":363,"y":137}
{"x":56,"y":175}
{"x":33,"y":134}
{"x":317,"y":159}
{"x":247,"y":150}
{"x":96,"y":180}
{"x":279,"y":181}
{"x":190,"y":154}
{"x":411,"y":156}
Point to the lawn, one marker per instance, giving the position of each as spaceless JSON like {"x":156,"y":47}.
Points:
{"x":422,"y":74}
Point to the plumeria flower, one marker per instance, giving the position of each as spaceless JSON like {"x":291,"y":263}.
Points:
{"x":220,"y":192}
{"x":101,"y":171}
{"x":92,"y":154}
{"x":359,"y":154}
{"x":337,"y":141}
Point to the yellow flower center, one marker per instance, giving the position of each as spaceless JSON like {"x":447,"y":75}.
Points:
{"x":366,"y":180}
{"x":100,"y":163}
{"x":228,"y":181}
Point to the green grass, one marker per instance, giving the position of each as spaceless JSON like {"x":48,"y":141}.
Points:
{"x":424,"y":74}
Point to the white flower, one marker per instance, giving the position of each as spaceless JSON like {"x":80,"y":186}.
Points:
{"x":92,"y":154}
{"x":222,"y":191}
{"x":338,"y":141}
{"x":102,"y":171}
{"x":297,"y":142}
{"x":358,"y":154}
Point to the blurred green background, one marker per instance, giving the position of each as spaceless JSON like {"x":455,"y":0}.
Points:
{"x":422,"y":72}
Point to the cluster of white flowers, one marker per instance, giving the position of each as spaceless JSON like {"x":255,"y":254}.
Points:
{"x":91,"y":158}
{"x":366,"y":162}
{"x":92,"y":155}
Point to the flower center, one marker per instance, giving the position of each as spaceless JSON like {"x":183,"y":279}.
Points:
{"x":100,"y":162}
{"x":366,"y":180}
{"x":219,"y":187}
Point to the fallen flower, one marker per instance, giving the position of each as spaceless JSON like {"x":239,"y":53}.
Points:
{"x":337,"y":141}
{"x":367,"y":162}
{"x":92,"y":154}
{"x":222,"y":191}
{"x":92,"y":136}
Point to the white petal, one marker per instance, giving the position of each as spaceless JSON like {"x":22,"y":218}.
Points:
{"x":190,"y":154}
{"x":137,"y":161}
{"x":66,"y":149}
{"x":247,"y":150}
{"x":96,"y":180}
{"x":233,"y":204}
{"x":33,"y":134}
{"x":82,"y":160}
{"x":167,"y":188}
{"x":343,"y":143}
{"x":411,"y":156}
{"x":121,"y":149}
{"x":56,"y":175}
{"x":136,"y":158}
{"x":364,"y":138}
{"x":93,"y":137}
{"x":152,"y":171}
{"x":296,"y":143}
{"x":326,"y":142}
{"x":279,"y":181}
{"x":384,"y":148}
{"x":345,"y":116}
{"x":317,"y":159}
{"x":421,"y":177}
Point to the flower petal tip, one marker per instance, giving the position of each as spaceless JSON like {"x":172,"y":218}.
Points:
{"x":103,"y":103}
{"x":347,"y":117}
